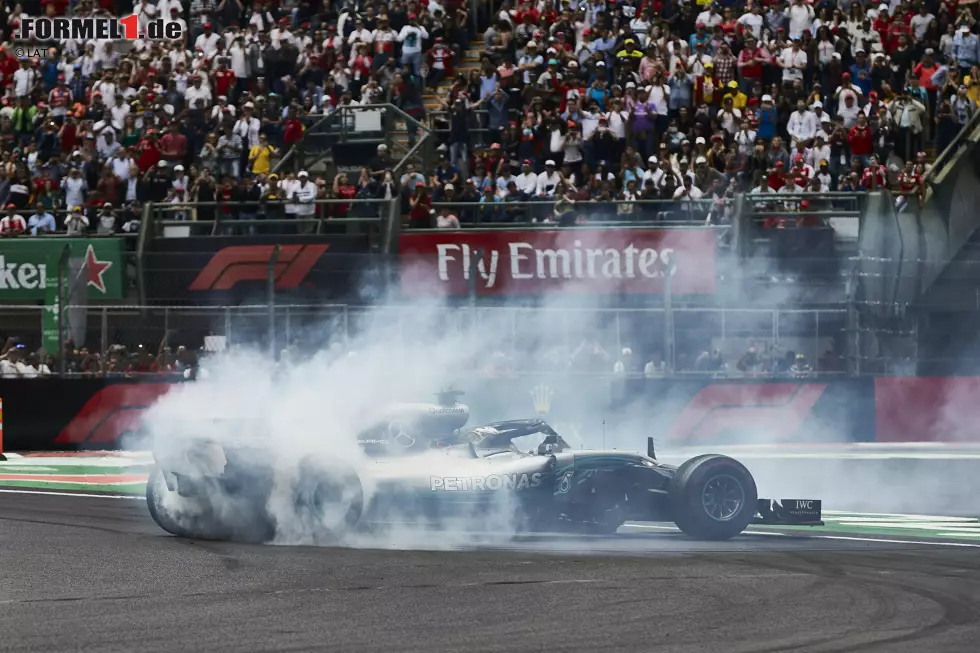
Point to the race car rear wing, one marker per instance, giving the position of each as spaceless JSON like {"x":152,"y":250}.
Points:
{"x":789,"y":512}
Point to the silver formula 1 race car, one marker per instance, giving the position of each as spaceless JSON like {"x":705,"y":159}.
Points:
{"x":422,"y":467}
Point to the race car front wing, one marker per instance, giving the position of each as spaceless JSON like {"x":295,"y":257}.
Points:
{"x":789,"y":512}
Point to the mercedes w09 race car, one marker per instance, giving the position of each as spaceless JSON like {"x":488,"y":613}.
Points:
{"x":422,"y":468}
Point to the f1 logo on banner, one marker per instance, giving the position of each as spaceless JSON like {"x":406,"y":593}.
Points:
{"x":232,"y":265}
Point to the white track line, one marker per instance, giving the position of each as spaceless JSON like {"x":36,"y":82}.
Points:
{"x":75,"y":494}
{"x":868,"y":539}
{"x":844,"y":513}
{"x":824,"y":537}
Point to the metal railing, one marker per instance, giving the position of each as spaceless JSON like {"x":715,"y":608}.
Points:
{"x":534,"y":339}
{"x":364,"y":124}
{"x":61,"y":214}
{"x":968,"y":135}
{"x":228,"y":218}
{"x":530,"y":214}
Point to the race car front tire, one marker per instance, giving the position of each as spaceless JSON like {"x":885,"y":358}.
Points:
{"x":713,"y":497}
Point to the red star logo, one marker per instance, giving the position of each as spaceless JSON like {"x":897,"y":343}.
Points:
{"x":96,"y":269}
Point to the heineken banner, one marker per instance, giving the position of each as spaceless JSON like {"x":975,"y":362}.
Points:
{"x":24,"y":273}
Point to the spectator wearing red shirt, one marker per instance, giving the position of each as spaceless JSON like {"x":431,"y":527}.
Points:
{"x":342,"y":190}
{"x":224,"y":79}
{"x":12,"y":224}
{"x":148,"y":153}
{"x":421,"y":205}
{"x":752,"y":61}
{"x":173,"y":145}
{"x":874,"y":177}
{"x":777,"y":176}
{"x":924,"y":71}
{"x":292,"y":129}
{"x":8,"y":66}
{"x":860,"y":139}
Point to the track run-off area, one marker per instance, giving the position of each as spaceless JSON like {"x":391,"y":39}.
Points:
{"x":82,"y":566}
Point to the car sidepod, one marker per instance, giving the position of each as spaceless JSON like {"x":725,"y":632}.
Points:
{"x":511,"y":490}
{"x":598,"y":491}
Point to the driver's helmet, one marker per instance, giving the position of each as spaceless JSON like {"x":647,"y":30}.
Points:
{"x":552,"y":444}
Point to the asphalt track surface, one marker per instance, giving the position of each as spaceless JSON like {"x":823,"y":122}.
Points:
{"x":96,"y":574}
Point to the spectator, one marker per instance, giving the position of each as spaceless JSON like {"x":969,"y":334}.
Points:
{"x":76,"y":223}
{"x":41,"y":222}
{"x":13,"y":223}
{"x":609,"y":83}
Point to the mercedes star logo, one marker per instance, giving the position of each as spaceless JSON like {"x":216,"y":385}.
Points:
{"x":402,"y":435}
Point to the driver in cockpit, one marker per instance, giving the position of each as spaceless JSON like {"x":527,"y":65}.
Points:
{"x":552,"y":444}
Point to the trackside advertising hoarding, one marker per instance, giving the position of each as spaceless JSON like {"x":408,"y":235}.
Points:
{"x":222,"y":269}
{"x":541,"y":262}
{"x":97,"y":413}
{"x":25,"y":266}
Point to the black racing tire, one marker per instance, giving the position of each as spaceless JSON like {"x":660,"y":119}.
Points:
{"x":713,"y":497}
{"x":199,"y":522}
{"x":329,"y":502}
{"x":240,"y":520}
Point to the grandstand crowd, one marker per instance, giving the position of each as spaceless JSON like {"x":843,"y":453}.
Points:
{"x":626,"y":100}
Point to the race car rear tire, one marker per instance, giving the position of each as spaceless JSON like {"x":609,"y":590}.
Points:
{"x":195,"y":517}
{"x":713,"y":497}
{"x":328,"y":501}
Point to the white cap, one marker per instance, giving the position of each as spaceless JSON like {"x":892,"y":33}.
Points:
{"x":965,"y":28}
{"x":825,"y":118}
{"x":449,"y":187}
{"x":652,"y":159}
{"x":382,"y":147}
{"x":630,"y":84}
{"x":930,"y":51}
{"x":549,"y":162}
{"x":767,"y":98}
{"x":700,"y":140}
{"x":249,"y":105}
{"x":178,"y":167}
{"x":816,"y":103}
{"x":162,"y":164}
{"x":76,"y":153}
{"x":700,"y":159}
{"x":303,"y":173}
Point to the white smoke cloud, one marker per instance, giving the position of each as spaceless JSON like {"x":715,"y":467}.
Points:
{"x":313,"y":406}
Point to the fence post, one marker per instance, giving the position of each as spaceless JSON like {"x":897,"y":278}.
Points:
{"x":146,"y":219}
{"x":346,"y":318}
{"x":271,"y":299}
{"x":228,"y":336}
{"x":104,"y":328}
{"x":62,"y":271}
{"x":669,"y":342}
{"x":474,"y":272}
{"x":816,"y":342}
